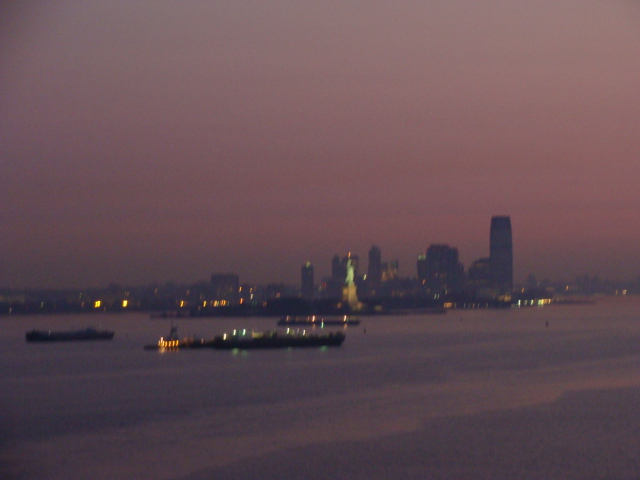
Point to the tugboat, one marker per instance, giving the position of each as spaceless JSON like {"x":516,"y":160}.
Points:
{"x":67,"y":336}
{"x":172,"y":342}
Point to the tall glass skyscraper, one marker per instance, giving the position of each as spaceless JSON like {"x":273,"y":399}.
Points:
{"x":501,"y":253}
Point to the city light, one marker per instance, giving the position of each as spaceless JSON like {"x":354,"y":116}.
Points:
{"x":441,"y":283}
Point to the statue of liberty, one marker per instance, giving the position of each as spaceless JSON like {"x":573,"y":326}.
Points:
{"x":349,"y":289}
{"x":349,"y":279}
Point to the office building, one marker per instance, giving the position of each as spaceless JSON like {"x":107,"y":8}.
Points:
{"x":501,"y":254}
{"x":444,"y":273}
{"x":479,"y":277}
{"x":421,"y":265}
{"x":389,"y":270}
{"x":338,"y":273}
{"x":306,"y":281}
{"x":374,"y":270}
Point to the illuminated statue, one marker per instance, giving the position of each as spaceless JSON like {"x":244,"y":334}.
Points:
{"x":349,"y":289}
{"x":349,"y":279}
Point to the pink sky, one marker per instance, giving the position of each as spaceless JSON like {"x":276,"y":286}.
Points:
{"x":145,"y":141}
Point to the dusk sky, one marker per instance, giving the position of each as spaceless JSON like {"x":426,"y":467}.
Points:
{"x":146,"y":141}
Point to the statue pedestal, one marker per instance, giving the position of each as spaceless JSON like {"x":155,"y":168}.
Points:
{"x":349,"y":296}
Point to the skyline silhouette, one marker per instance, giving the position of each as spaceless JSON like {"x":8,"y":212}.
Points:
{"x":156,"y":141}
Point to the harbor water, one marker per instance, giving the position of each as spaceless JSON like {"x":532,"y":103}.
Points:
{"x":531,"y":393}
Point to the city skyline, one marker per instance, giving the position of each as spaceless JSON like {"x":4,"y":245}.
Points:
{"x":151,"y":141}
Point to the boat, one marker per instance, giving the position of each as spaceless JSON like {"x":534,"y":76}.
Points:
{"x":275,"y":339}
{"x":89,"y":333}
{"x":311,"y":320}
{"x":173,"y":342}
{"x":243,"y":340}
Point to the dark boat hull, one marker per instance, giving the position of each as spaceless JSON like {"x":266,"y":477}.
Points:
{"x":278,"y":341}
{"x":313,"y":320}
{"x":64,"y":336}
{"x":267,"y":340}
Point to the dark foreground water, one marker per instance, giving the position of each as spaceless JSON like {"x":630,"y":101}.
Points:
{"x":469,"y":395}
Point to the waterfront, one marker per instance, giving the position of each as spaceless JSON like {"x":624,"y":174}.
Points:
{"x":471,"y":394}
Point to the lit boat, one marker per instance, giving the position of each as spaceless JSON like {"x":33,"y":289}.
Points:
{"x":311,"y":320}
{"x":274,"y":339}
{"x":173,"y":342}
{"x":71,"y":335}
{"x":242,"y":339}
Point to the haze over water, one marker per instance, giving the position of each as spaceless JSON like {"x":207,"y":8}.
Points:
{"x":146,"y":141}
{"x":472,"y":394}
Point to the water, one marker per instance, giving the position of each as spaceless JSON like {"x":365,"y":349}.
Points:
{"x":473,"y":394}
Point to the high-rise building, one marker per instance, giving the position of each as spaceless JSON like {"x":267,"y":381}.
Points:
{"x":444,"y":272}
{"x":374,"y":270}
{"x":389,"y":270}
{"x":338,"y":273}
{"x":479,"y":276}
{"x":501,"y":253}
{"x":306,"y":281}
{"x":421,"y":264}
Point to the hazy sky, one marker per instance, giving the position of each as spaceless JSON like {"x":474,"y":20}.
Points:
{"x":152,"y":140}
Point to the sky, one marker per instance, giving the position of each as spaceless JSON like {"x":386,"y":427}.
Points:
{"x":148,"y":141}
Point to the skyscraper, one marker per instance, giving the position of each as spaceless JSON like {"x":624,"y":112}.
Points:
{"x":422,"y":269}
{"x":501,"y":253}
{"x":337,"y":271}
{"x":479,"y":272}
{"x":306,"y":281}
{"x":374,"y":271}
{"x":444,"y":272}
{"x":479,"y":276}
{"x":389,"y":270}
